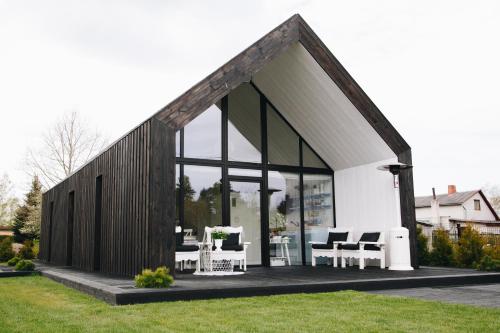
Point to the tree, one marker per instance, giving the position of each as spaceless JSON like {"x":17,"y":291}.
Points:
{"x":469,"y":250}
{"x":8,"y":203}
{"x":67,"y":145}
{"x":28,"y":216}
{"x":493,"y":194}
{"x":442,"y":249}
{"x":422,"y":250}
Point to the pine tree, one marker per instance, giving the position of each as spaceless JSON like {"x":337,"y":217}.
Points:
{"x":28,"y":216}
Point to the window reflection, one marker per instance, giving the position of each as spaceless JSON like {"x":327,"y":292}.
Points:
{"x":318,"y":209}
{"x":202,"y":198}
{"x":283,"y":142}
{"x":284,"y":216}
{"x":244,"y":141}
{"x":310,"y":159}
{"x":202,"y":136}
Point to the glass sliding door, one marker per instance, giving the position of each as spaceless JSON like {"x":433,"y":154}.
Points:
{"x":318,"y":209}
{"x":245,"y":211}
{"x":284,"y":215}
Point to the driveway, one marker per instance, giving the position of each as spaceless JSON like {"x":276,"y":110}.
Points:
{"x":480,"y":295}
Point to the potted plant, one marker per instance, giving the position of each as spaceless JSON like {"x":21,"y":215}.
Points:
{"x":218,"y":235}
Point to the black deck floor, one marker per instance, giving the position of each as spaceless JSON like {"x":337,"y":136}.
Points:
{"x":264,"y":281}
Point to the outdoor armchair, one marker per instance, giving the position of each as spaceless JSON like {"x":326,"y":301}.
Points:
{"x":330,"y":248}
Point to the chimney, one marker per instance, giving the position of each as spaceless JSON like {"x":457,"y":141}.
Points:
{"x":452,"y":189}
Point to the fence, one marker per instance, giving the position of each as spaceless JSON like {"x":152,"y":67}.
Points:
{"x":491,"y":234}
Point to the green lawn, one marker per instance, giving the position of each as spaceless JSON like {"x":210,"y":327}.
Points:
{"x":35,"y":303}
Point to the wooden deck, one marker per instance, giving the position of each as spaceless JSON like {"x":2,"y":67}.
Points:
{"x":259,"y":281}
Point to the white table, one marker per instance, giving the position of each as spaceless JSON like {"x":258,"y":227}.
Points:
{"x":283,"y":243}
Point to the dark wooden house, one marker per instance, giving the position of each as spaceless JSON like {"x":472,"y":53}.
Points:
{"x":280,"y":139}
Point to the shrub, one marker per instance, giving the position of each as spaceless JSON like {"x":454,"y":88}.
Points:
{"x":442,"y":249}
{"x":6,"y":252}
{"x":25,"y":265}
{"x":13,"y":261}
{"x":422,"y":250}
{"x":487,"y":263}
{"x":469,"y":250}
{"x":26,"y":252}
{"x":492,"y":250}
{"x":157,"y":279}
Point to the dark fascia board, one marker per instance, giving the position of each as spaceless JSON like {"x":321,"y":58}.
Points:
{"x":241,"y":68}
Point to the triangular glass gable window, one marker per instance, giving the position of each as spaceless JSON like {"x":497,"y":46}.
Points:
{"x":283,"y":142}
{"x":310,"y":159}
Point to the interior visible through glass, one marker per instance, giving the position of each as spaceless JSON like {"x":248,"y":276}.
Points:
{"x":318,"y":209}
{"x":284,"y":218}
{"x":244,"y":205}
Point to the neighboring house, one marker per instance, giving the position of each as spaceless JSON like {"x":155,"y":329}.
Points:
{"x":281,"y":128}
{"x":455,"y":209}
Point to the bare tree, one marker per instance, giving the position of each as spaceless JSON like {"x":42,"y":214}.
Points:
{"x":493,"y":194}
{"x":66,"y":146}
{"x":8,"y":202}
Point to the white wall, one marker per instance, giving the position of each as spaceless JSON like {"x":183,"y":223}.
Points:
{"x":365,"y":200}
{"x":483,"y":214}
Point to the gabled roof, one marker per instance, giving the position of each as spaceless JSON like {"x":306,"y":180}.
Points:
{"x":455,"y":199}
{"x":245,"y":65}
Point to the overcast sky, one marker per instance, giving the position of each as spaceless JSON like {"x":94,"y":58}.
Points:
{"x":432,"y":67}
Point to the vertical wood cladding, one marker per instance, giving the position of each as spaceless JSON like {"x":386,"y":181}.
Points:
{"x":138,"y":208}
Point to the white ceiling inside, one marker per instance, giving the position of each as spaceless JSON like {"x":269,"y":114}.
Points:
{"x":316,"y":107}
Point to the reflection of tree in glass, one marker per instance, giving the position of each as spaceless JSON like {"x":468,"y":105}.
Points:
{"x":203,"y":211}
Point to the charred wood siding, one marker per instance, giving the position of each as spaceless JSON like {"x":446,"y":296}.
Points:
{"x":137,"y":203}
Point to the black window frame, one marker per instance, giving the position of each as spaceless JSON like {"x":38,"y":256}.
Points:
{"x":263,"y":166}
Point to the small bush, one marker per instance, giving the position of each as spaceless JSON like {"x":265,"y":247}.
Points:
{"x":6,"y":252}
{"x":25,"y":265}
{"x":13,"y":261}
{"x":469,"y":250}
{"x":487,"y":263}
{"x":36,"y":248}
{"x":422,"y":250}
{"x":157,"y":279}
{"x":26,"y":252}
{"x":442,"y":249}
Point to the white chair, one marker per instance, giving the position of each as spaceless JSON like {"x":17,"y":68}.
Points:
{"x":232,"y":248}
{"x":330,"y":248}
{"x":371,"y":245}
{"x":185,"y":252}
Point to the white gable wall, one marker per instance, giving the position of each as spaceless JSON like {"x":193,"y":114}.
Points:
{"x":316,"y":107}
{"x":365,"y":200}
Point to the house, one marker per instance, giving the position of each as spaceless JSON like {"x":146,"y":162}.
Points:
{"x":455,"y":209}
{"x":280,"y":139}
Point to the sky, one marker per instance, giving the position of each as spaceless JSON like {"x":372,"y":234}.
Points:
{"x":432,"y":68}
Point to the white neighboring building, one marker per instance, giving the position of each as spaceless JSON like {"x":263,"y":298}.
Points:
{"x":457,"y":209}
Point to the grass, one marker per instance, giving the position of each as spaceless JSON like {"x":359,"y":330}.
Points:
{"x":38,"y":304}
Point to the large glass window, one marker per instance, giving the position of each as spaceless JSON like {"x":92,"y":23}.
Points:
{"x":202,"y":198}
{"x":283,"y":142}
{"x":244,"y":135}
{"x":202,"y":136}
{"x":318,"y":209}
{"x":284,"y":216}
{"x":199,"y":176}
